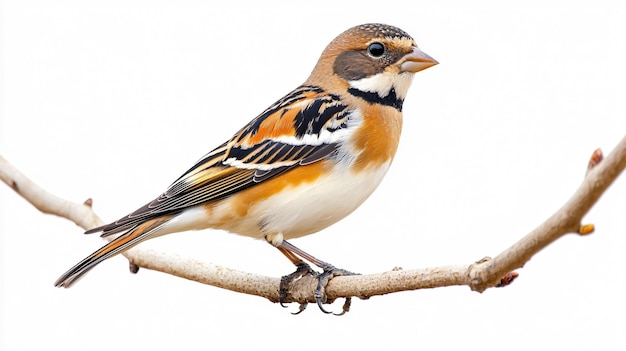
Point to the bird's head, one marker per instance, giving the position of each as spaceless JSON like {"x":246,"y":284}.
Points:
{"x":371,"y":59}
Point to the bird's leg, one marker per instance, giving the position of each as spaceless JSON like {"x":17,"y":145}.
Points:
{"x":296,"y":255}
{"x":302,"y":269}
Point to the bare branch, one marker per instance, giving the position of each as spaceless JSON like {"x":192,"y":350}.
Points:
{"x":478,"y":276}
{"x":81,"y":214}
{"x":567,"y":219}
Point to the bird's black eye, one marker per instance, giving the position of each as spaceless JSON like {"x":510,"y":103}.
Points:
{"x":376,"y":49}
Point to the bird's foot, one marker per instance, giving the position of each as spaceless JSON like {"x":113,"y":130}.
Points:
{"x":323,"y":278}
{"x":302,"y":270}
{"x":330,"y":272}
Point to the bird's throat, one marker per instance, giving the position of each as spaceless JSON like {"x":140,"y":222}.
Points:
{"x":391,"y":99}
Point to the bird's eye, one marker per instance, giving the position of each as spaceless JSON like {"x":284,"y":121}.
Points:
{"x":376,"y":49}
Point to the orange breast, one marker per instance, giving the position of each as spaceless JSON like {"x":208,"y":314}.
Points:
{"x":378,"y":138}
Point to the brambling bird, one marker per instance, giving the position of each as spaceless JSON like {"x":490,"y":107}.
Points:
{"x":306,"y":162}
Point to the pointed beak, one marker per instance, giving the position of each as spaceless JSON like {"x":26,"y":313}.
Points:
{"x":416,"y":61}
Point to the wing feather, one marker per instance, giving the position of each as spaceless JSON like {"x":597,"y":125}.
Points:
{"x":304,"y":127}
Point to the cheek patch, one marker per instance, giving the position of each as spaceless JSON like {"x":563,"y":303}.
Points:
{"x":355,"y":65}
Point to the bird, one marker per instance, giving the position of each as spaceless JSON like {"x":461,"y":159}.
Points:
{"x":306,"y":162}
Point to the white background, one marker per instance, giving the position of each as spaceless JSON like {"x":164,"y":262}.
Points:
{"x":114,"y":100}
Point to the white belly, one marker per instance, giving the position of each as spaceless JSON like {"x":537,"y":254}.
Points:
{"x":309,"y":207}
{"x":294,"y":212}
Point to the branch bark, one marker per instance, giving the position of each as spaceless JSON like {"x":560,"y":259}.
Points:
{"x":479,"y":276}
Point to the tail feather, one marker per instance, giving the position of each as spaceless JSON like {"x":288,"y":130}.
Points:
{"x":110,"y":229}
{"x":95,"y":230}
{"x":118,"y":245}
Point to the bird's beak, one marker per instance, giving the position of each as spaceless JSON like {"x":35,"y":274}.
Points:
{"x":416,"y":61}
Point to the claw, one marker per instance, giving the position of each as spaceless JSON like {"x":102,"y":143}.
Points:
{"x":320,"y":299}
{"x":282,"y":291}
{"x":319,"y":291}
{"x":329,"y":273}
{"x":300,"y":309}
{"x":346,"y":307}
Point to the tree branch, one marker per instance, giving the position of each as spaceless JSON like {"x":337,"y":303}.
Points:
{"x":479,"y":276}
